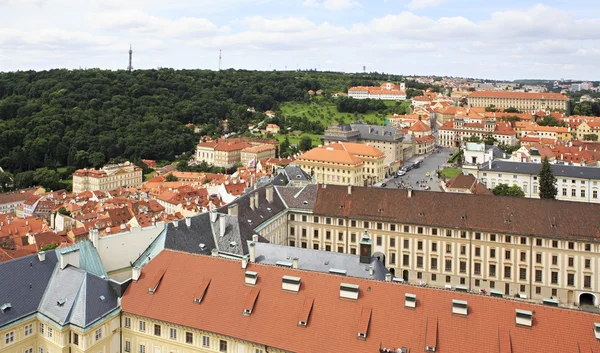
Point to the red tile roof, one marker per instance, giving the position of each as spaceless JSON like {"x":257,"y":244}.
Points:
{"x":419,"y":126}
{"x":333,"y":324}
{"x":518,"y":95}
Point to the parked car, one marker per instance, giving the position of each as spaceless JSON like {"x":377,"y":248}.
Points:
{"x":401,"y":173}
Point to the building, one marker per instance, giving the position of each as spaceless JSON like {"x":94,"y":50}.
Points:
{"x":424,"y":141}
{"x":588,"y":128}
{"x":555,"y":133}
{"x":251,"y":155}
{"x":58,"y":301}
{"x":221,"y":152}
{"x":455,"y":132}
{"x":386,"y":91}
{"x":9,"y":201}
{"x":186,"y":302}
{"x":344,"y":163}
{"x":387,"y":139}
{"x":574,"y":183}
{"x":519,"y":100}
{"x":273,"y":129}
{"x":465,"y":184}
{"x":110,"y":177}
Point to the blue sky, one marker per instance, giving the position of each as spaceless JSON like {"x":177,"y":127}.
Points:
{"x":505,"y":39}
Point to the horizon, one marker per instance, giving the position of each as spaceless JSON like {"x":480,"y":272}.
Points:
{"x":508,"y":41}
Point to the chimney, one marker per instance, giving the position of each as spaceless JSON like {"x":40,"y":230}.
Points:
{"x":269,"y":193}
{"x":222,"y":225}
{"x":188,"y":222}
{"x":252,"y":202}
{"x":213,"y":215}
{"x":136,"y":272}
{"x":349,"y":189}
{"x":214,"y":252}
{"x":252,"y":252}
{"x":233,"y":210}
{"x":255,"y":238}
{"x":42,"y":256}
{"x":256,"y":197}
{"x":244,"y":262}
{"x":409,"y":192}
{"x":490,"y":164}
{"x":295,"y":263}
{"x":69,"y":257}
{"x":388,"y":277}
{"x":94,"y":237}
{"x":371,"y":270}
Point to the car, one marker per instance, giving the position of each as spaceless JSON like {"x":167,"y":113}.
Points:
{"x":427,"y":174}
{"x":401,"y":173}
{"x":383,"y":185}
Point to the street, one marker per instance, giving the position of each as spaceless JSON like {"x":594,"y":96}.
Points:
{"x":429,"y":165}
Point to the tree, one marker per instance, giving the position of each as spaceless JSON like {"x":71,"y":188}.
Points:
{"x":590,"y":137}
{"x":511,"y":110}
{"x":24,"y":180}
{"x":64,"y":211}
{"x":284,"y":147}
{"x":171,"y":178}
{"x":473,"y":138}
{"x":305,"y":143}
{"x":547,"y":181}
{"x":505,"y":190}
{"x":489,"y":139}
{"x":5,"y":181}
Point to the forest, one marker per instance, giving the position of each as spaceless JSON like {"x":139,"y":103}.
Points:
{"x":85,"y":118}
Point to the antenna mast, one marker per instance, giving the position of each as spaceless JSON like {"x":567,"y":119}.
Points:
{"x":130,"y":67}
{"x":219,"y":59}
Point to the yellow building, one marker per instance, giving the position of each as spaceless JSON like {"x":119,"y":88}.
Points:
{"x":51,"y":304}
{"x":109,"y":177}
{"x":344,"y":163}
{"x":257,"y":153}
{"x":520,"y":100}
{"x":556,"y":133}
{"x":588,"y":128}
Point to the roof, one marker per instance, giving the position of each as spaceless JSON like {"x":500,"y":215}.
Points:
{"x":298,"y":197}
{"x":462,"y":181}
{"x":377,"y":133}
{"x":513,"y":215}
{"x":559,"y":170}
{"x":15,"y":196}
{"x":89,"y":259}
{"x":294,"y":172}
{"x":333,"y":323}
{"x":419,"y":126}
{"x":518,"y":95}
{"x":330,"y":154}
{"x":319,"y":260}
{"x":260,"y":148}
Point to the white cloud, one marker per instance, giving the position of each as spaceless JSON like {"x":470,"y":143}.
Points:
{"x":421,"y":4}
{"x":333,"y":5}
{"x":290,"y":24}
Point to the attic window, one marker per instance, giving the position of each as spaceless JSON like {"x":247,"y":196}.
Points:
{"x":202,"y":246}
{"x":284,"y":264}
{"x":249,"y":221}
{"x":290,"y":283}
{"x":596,"y":330}
{"x":269,"y":209}
{"x":251,"y":301}
{"x":157,"y":279}
{"x":61,"y":302}
{"x":305,"y":202}
{"x":459,"y":307}
{"x":251,"y":278}
{"x":199,"y":295}
{"x":349,"y":291}
{"x":335,"y":271}
{"x":305,"y":313}
{"x":410,"y":300}
{"x":4,"y":307}
{"x":232,"y":244}
{"x":363,"y":323}
{"x":523,"y":317}
{"x":550,"y":302}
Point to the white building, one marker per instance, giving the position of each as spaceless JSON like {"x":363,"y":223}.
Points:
{"x":386,"y":91}
{"x":572,"y":182}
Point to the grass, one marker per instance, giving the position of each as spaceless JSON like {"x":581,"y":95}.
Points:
{"x":451,"y":172}
{"x":149,"y":175}
{"x":326,"y":112}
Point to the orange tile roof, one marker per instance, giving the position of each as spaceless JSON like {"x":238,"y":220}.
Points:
{"x":329,"y":154}
{"x":257,"y":149}
{"x":518,"y":95}
{"x":333,"y":324}
{"x":419,"y":126}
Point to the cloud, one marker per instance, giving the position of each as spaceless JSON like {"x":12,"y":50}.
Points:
{"x":333,"y":5}
{"x":421,"y":4}
{"x":413,"y":47}
{"x":290,"y":24}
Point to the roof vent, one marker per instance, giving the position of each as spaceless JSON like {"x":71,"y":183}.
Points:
{"x":202,"y":246}
{"x":524,"y":317}
{"x":459,"y":307}
{"x":410,"y":300}
{"x":349,"y":291}
{"x":251,"y":278}
{"x":4,"y":307}
{"x":550,"y":302}
{"x":596,"y":329}
{"x":102,"y":298}
{"x":496,"y":293}
{"x":290,"y":283}
{"x":232,"y":244}
{"x":285,"y":264}
{"x":336,"y":271}
{"x":61,"y":302}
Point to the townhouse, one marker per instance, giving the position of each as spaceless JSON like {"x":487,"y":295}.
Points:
{"x":453,"y":133}
{"x":519,"y":100}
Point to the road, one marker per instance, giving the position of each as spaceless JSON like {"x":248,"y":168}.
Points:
{"x":430,"y":165}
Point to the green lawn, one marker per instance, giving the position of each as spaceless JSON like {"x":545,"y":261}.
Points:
{"x":451,"y":172}
{"x":327,"y":113}
{"x":149,"y":175}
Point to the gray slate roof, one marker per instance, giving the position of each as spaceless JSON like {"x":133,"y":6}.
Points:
{"x":317,"y":260}
{"x":188,"y":239}
{"x":496,"y":151}
{"x":378,"y":133}
{"x":559,"y":170}
{"x":294,"y":172}
{"x":23,"y":283}
{"x":302,"y":198}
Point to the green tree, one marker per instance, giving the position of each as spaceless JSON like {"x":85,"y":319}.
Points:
{"x":511,"y":110}
{"x":47,"y":178}
{"x":171,"y":177}
{"x":473,"y":138}
{"x":305,"y":143}
{"x":505,"y":190}
{"x":489,"y":139}
{"x":5,"y":181}
{"x":547,"y":181}
{"x":284,"y":147}
{"x":64,"y":211}
{"x":24,"y":180}
{"x":590,"y":137}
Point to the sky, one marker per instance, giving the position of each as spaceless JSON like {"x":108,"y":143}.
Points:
{"x":493,"y":39}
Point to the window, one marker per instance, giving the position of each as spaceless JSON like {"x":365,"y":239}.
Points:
{"x":142,"y":325}
{"x":392,"y":227}
{"x":448,"y":248}
{"x":477,"y":236}
{"x":50,"y":332}
{"x":392,"y":258}
{"x":292,"y":243}
{"x":353,"y":223}
{"x":142,"y":348}
{"x":328,"y":235}
{"x":523,"y":241}
{"x":292,"y":217}
{"x":555,"y":243}
{"x":41,"y":350}
{"x":379,"y":241}
{"x":571,"y":261}
{"x":433,"y":277}
{"x":571,"y":245}
{"x":554,"y":292}
{"x":588,"y":247}
{"x":448,"y":279}
{"x":406,"y":229}
{"x":340,"y":222}
{"x":523,"y":274}
{"x":448,"y":266}
{"x":9,"y":338}
{"x":340,"y":249}
{"x":127,"y":322}
{"x":555,"y":260}
{"x":434,"y":263}
{"x":405,"y":260}
{"x":564,"y":191}
{"x":420,"y":230}
{"x":41,"y":328}
{"x":434,"y":231}
{"x":573,"y":192}
{"x":316,"y":233}
{"x":316,"y":246}
{"x":507,"y":255}
{"x":366,"y":225}
{"x":304,"y":245}
{"x":595,"y":194}
{"x":157,"y":330}
{"x":97,"y":334}
{"x":353,"y":237}
{"x":340,"y":236}
{"x":570,"y":279}
{"x":507,"y":239}
{"x":379,"y":226}
{"x":507,"y":271}
{"x":205,"y":341}
{"x":28,"y":330}
{"x":292,"y":231}
{"x":588,"y":263}
{"x":315,"y":219}
{"x":75,"y":339}
{"x":257,"y":350}
{"x":493,"y":253}
{"x":492,"y":237}
{"x":303,"y":232}
{"x":328,"y":220}
{"x":463,"y":267}
{"x":189,"y":337}
{"x":434,"y":247}
{"x":419,"y":245}
{"x":29,"y":350}
{"x":492,"y":284}
{"x":406,"y":244}
{"x":448,"y":233}
{"x":538,"y":275}
{"x":463,"y":234}
{"x":554,"y":277}
{"x":127,"y":346}
{"x":523,"y":256}
{"x":587,"y":281}
{"x":463,"y":250}
{"x":420,"y":261}
{"x":538,"y":258}
{"x":222,"y":346}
